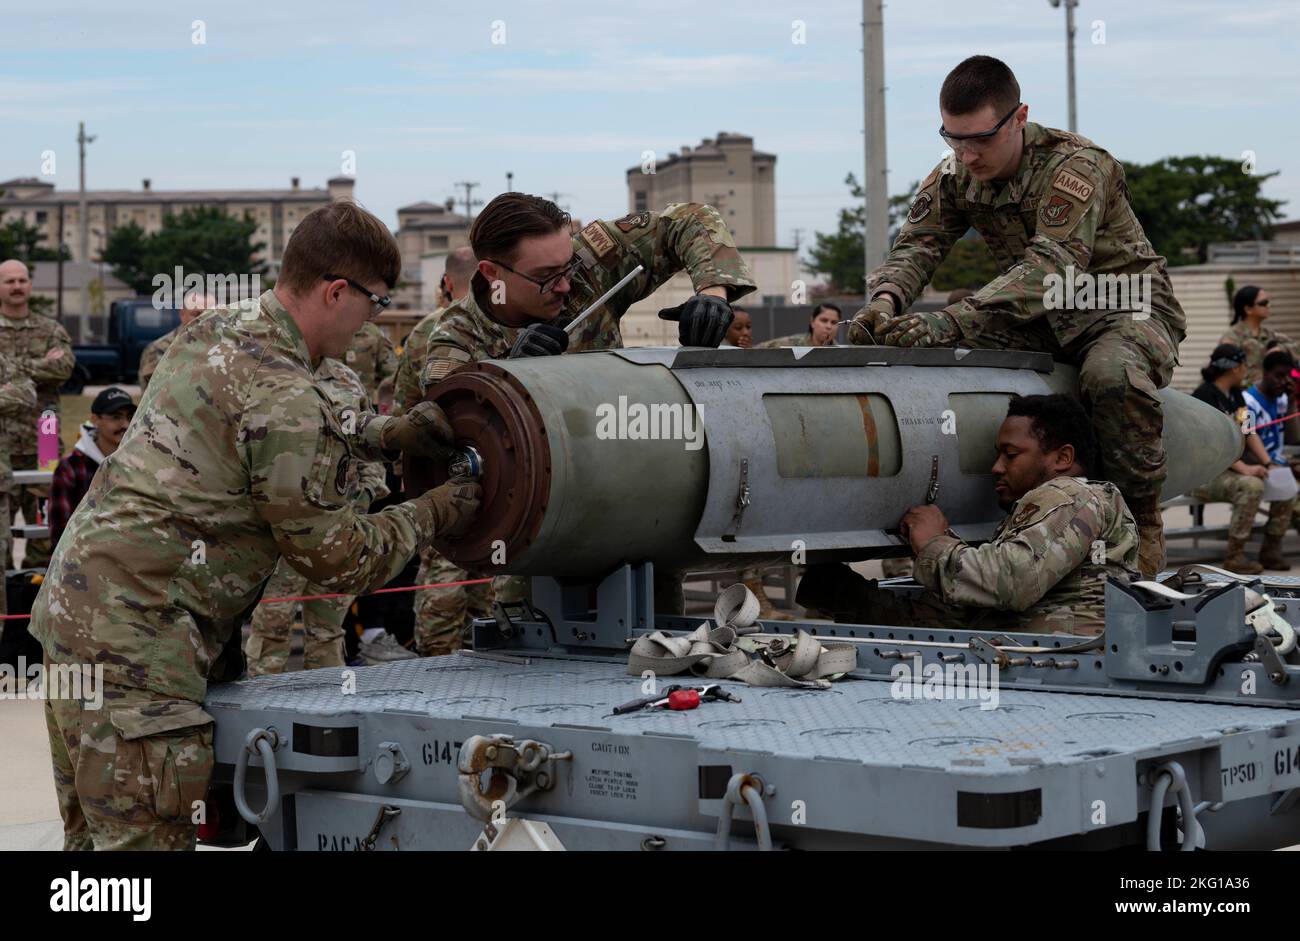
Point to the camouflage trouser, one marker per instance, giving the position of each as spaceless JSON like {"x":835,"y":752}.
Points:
{"x":130,"y":775}
{"x":849,"y":598}
{"x":267,"y":648}
{"x":6,"y":544}
{"x":442,"y":615}
{"x":1123,"y":363}
{"x":1280,"y":514}
{"x":1243,"y":493}
{"x":27,"y":499}
{"x":510,"y":589}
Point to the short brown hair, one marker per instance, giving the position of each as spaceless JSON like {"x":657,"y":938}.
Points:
{"x":510,"y":217}
{"x":340,"y":239}
{"x":979,"y":81}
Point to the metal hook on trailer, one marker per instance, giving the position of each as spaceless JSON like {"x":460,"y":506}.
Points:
{"x":261,"y":742}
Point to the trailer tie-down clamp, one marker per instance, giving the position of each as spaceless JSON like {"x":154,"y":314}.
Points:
{"x":496,"y":772}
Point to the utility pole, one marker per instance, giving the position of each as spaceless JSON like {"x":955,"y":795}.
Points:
{"x":470,"y":202}
{"x":83,"y":241}
{"x":58,"y":291}
{"x":875,"y":183}
{"x":555,"y":197}
{"x":798,"y":233}
{"x":1069,"y":58}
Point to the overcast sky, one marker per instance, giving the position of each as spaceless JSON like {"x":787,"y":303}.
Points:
{"x":579,"y":89}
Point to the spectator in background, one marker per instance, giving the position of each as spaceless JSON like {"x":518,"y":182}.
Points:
{"x":823,"y":324}
{"x":1242,"y":484}
{"x":44,"y":353}
{"x":1251,"y":306}
{"x":741,"y":332}
{"x":1266,"y":402}
{"x":110,"y":413}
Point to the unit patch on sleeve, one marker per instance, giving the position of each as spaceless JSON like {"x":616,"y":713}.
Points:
{"x":1055,"y":211}
{"x":633,"y":220}
{"x":601,"y":243}
{"x":920,"y":207}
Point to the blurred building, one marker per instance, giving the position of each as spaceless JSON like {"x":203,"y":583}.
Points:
{"x":102,"y":288}
{"x":727,"y":173}
{"x":426,"y":232}
{"x":724,"y":171}
{"x":276,"y":211}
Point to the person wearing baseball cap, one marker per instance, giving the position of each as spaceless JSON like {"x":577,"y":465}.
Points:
{"x":110,"y":413}
{"x":1242,"y":484}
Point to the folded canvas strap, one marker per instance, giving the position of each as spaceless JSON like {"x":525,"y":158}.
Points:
{"x":723,"y":653}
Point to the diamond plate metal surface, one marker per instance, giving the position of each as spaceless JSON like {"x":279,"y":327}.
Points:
{"x":856,"y":720}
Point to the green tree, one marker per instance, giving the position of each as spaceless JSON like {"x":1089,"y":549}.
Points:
{"x":1185,"y":203}
{"x":125,"y":251}
{"x":840,"y":255}
{"x":22,"y":241}
{"x":202,"y":240}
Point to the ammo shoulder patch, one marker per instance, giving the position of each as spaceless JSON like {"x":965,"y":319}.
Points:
{"x":601,"y":242}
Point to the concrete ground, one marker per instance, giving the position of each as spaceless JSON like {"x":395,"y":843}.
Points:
{"x":29,"y":813}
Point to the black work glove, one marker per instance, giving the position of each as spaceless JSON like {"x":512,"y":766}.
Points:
{"x":540,"y":339}
{"x":701,"y":321}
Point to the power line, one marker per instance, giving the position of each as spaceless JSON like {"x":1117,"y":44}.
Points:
{"x":470,"y":202}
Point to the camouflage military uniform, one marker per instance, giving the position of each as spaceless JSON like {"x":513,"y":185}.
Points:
{"x":1037,"y":574}
{"x":1245,"y":494}
{"x":30,"y":339}
{"x":160,"y":750}
{"x":1064,"y":214}
{"x":406,"y":383}
{"x":685,"y":236}
{"x":17,"y":400}
{"x":267,"y":647}
{"x":794,"y":339}
{"x":152,"y":354}
{"x":234,"y":459}
{"x":1257,"y":346}
{"x":442,"y":614}
{"x":372,"y":357}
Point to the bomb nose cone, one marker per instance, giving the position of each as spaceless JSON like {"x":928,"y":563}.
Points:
{"x":1200,"y":443}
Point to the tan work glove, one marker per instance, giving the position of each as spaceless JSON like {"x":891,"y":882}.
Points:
{"x":869,"y":323}
{"x":423,"y":432}
{"x":453,"y":505}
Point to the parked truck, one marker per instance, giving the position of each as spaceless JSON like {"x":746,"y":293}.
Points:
{"x":133,"y":324}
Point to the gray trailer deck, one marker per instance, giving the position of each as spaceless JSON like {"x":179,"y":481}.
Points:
{"x":855,"y":766}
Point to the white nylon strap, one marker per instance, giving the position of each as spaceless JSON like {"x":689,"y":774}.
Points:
{"x":720,"y":653}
